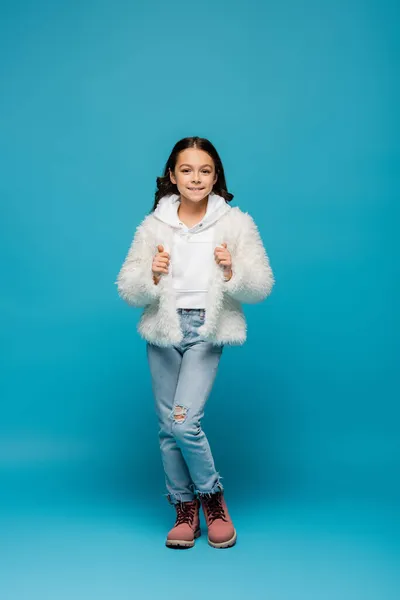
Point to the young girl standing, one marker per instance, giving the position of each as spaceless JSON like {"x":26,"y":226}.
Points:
{"x":193,"y":261}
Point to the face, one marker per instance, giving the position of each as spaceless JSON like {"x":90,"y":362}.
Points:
{"x":194,"y":174}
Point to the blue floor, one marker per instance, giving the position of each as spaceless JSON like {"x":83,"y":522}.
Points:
{"x":114,"y":550}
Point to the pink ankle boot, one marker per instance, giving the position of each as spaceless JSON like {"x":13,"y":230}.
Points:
{"x":187,"y":525}
{"x":221,"y":532}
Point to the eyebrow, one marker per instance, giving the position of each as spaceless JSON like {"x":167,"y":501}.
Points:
{"x":187,"y":165}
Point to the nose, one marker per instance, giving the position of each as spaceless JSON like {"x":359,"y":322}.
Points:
{"x":196,"y":179}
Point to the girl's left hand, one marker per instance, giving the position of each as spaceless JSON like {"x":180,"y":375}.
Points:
{"x":223,"y":257}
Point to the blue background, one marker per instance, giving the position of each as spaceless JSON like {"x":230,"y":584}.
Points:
{"x":301,"y":101}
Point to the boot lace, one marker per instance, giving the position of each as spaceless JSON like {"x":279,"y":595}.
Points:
{"x":185,"y":512}
{"x":213,"y":504}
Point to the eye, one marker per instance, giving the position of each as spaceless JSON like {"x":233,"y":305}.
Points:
{"x":204,"y":171}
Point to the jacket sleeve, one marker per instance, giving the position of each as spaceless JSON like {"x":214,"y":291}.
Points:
{"x":135,"y":279}
{"x":252,"y":278}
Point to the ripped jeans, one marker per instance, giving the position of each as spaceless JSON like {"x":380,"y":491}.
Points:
{"x":182,"y":377}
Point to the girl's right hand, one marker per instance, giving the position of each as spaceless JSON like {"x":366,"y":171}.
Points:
{"x":160,"y":262}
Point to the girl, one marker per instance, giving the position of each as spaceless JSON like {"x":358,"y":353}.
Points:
{"x":192,"y":262}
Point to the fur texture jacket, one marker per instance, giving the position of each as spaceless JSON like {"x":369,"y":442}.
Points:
{"x":225,"y":323}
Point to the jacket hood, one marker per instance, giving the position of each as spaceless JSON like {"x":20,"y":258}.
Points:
{"x":167,"y":210}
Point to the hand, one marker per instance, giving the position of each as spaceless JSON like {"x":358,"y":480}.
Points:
{"x":160,"y":262}
{"x":224,"y":259}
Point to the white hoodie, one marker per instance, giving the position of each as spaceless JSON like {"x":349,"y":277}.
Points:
{"x":192,"y":252}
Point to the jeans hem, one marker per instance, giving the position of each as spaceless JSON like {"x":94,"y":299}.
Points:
{"x":176,"y":497}
{"x":217,"y":487}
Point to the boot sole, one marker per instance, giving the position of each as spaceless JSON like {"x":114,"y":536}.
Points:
{"x":227,"y":544}
{"x":183,"y":544}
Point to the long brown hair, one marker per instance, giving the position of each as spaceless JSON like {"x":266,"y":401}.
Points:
{"x":164,"y":183}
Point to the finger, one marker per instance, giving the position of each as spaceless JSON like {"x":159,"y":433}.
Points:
{"x":160,"y":248}
{"x":224,"y":244}
{"x":166,"y":254}
{"x":162,"y":266}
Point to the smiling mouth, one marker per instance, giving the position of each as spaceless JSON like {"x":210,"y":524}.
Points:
{"x":195,"y":189}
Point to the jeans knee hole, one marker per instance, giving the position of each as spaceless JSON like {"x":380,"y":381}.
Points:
{"x":179,"y":414}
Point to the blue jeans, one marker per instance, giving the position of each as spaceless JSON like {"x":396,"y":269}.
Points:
{"x":182,"y":377}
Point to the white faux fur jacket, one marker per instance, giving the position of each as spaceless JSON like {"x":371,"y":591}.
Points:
{"x":225,"y":323}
